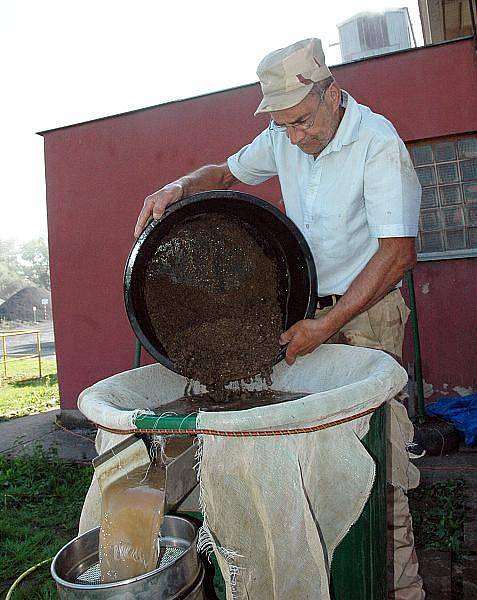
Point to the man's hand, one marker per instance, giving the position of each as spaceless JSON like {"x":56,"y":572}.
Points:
{"x":208,"y":177}
{"x":305,"y":336}
{"x":156,"y":204}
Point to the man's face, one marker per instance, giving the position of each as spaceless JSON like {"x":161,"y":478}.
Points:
{"x":323,"y":114}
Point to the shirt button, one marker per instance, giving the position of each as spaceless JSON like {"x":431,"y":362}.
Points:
{"x":307,"y":226}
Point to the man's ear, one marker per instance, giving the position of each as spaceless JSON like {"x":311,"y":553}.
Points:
{"x":334,"y":92}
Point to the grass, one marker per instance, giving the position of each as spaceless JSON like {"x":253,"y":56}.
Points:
{"x":24,"y":393}
{"x":40,"y":503}
{"x":438,"y":515}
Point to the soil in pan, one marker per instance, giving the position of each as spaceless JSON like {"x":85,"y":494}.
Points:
{"x":211,"y":291}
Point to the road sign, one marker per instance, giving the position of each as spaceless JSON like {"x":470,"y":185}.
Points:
{"x":44,"y":301}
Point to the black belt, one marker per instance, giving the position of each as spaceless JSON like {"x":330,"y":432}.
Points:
{"x":332,"y":299}
{"x":324,"y":301}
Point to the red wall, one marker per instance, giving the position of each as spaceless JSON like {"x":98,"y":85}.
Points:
{"x":446,"y":293}
{"x":98,"y":174}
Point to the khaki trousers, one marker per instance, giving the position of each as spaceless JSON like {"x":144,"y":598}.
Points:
{"x":382,"y":327}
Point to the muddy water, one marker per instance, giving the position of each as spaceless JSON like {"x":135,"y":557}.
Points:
{"x":233,"y":400}
{"x":132,"y":514}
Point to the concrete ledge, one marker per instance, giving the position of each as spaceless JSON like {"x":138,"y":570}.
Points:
{"x":23,"y":435}
{"x":72,"y":418}
{"x":22,"y":431}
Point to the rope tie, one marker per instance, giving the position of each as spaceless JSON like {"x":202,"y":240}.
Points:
{"x":240,"y":433}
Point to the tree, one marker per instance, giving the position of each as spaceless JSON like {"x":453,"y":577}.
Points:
{"x":35,"y":263}
{"x":10,"y":282}
{"x":11,"y":276}
{"x":9,"y":255}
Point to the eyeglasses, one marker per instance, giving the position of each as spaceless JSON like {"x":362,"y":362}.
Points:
{"x":301,"y":125}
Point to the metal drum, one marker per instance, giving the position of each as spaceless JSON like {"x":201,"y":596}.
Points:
{"x":179,"y":575}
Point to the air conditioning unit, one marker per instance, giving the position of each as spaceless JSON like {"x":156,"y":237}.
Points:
{"x":369,"y":34}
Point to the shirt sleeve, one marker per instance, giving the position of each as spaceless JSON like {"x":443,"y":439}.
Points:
{"x":254,"y":163}
{"x":392,"y":192}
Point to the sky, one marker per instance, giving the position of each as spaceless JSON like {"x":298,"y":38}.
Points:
{"x":68,"y":61}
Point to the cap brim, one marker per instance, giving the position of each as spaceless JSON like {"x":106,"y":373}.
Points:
{"x":283,"y":100}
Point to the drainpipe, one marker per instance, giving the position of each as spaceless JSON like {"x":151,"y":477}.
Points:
{"x":137,"y":356}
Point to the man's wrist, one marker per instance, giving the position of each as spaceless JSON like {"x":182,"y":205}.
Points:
{"x":181,"y":186}
{"x":334,"y":320}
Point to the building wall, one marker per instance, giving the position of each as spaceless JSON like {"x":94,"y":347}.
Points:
{"x":98,"y":174}
{"x":445,"y":298}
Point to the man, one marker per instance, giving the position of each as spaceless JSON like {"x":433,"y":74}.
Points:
{"x":349,"y":185}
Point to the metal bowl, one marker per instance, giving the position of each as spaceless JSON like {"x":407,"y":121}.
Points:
{"x":179,"y":574}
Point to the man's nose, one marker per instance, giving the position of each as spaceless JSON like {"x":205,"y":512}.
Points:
{"x":295,"y":135}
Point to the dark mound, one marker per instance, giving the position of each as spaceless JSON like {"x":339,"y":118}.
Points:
{"x":19,"y":307}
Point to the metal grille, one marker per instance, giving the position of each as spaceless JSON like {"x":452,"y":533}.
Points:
{"x":92,"y":576}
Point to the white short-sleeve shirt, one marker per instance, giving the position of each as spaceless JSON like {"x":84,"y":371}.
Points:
{"x":360,"y":188}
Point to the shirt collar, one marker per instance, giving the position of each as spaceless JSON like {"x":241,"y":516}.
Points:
{"x":348,"y":129}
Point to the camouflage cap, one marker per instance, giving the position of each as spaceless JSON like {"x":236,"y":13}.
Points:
{"x":288,"y":74}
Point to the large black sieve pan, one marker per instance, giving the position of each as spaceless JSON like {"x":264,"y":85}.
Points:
{"x":275,"y":232}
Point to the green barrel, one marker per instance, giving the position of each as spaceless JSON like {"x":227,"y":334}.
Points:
{"x":358,"y":570}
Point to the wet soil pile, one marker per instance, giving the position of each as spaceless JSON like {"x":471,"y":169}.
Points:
{"x":19,"y":307}
{"x":211,"y":292}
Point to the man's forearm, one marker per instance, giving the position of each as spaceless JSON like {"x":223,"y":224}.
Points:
{"x":385,"y":269}
{"x":394,"y":257}
{"x":208,"y":177}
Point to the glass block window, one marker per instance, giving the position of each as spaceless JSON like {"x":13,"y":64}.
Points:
{"x":429,"y":198}
{"x":447,"y":170}
{"x":450,"y":194}
{"x":444,"y":151}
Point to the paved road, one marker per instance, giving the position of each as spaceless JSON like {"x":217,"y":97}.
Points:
{"x":26,"y":344}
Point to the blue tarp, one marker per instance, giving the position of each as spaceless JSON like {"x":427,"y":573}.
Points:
{"x":461,"y":411}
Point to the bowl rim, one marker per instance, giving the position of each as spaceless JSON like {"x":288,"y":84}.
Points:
{"x":113,"y":584}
